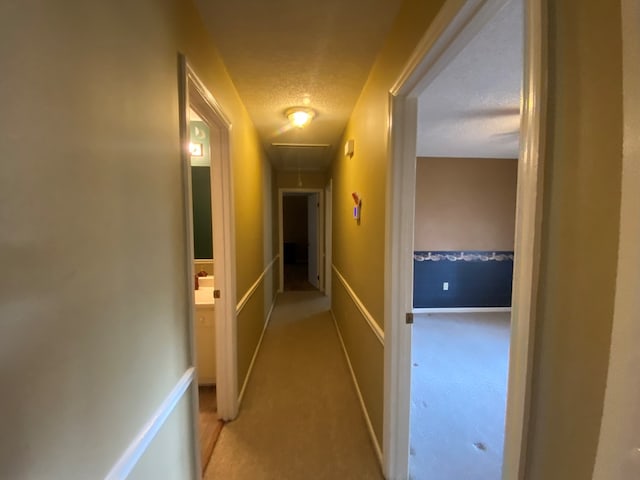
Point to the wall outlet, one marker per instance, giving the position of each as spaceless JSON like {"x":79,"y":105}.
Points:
{"x":445,"y":286}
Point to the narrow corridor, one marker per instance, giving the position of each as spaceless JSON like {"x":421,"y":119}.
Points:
{"x":300,"y":418}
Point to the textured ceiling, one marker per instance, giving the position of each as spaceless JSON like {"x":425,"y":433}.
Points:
{"x":285,"y":53}
{"x":472,"y":108}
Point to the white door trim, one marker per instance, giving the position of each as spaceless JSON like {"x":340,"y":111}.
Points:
{"x":320,"y":229}
{"x":314,"y":260}
{"x":456,"y":24}
{"x":328,"y":236}
{"x":185,"y":160}
{"x":197,"y":96}
{"x":618,"y":453}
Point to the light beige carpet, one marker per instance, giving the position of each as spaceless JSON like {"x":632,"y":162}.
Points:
{"x":458,"y":395}
{"x":300,"y":418}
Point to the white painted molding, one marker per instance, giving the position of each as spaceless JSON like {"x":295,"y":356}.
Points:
{"x":363,"y":406}
{"x":456,"y":24}
{"x":183,"y":100}
{"x":527,"y":240}
{"x":398,"y":286}
{"x":255,"y":352}
{"x":145,"y":436}
{"x":194,"y":94}
{"x":421,"y":311}
{"x":377,"y":330}
{"x":247,"y":296}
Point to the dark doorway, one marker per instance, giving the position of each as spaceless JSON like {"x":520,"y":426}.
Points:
{"x":296,"y":241}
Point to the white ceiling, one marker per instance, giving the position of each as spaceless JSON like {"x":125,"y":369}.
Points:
{"x":472,"y":108}
{"x":285,"y":53}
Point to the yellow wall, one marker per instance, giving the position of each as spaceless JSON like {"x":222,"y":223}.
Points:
{"x":358,"y":250}
{"x":94,"y":303}
{"x":580,"y":238}
{"x":309,"y":179}
{"x":465,"y":203}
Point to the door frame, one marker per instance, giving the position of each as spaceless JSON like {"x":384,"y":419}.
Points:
{"x":456,"y":24}
{"x":313,"y":217}
{"x":281,"y":193}
{"x":328,"y":236}
{"x":194,"y":94}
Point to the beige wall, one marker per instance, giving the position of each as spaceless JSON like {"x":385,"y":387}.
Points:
{"x":358,"y":250}
{"x":580,"y":238}
{"x":93,"y":307}
{"x":465,"y":203}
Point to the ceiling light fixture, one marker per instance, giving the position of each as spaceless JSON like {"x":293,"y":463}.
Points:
{"x":300,"y":117}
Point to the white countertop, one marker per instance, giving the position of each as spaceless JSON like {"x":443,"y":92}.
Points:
{"x":204,"y":297}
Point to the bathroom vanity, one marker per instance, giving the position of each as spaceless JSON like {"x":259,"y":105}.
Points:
{"x":205,"y":332}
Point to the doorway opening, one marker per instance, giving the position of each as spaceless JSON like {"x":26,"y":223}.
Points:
{"x":440,"y":271}
{"x":301,"y":238}
{"x":210,"y":261}
{"x":209,"y":425}
{"x":466,"y":175}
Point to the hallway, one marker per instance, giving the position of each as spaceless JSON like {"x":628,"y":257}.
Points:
{"x":300,"y":416}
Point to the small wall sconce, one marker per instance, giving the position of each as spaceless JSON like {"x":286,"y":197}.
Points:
{"x":195,"y":149}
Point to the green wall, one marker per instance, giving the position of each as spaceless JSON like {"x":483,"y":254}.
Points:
{"x":201,"y":204}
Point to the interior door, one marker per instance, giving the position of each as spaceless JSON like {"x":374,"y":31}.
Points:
{"x":313,"y":206}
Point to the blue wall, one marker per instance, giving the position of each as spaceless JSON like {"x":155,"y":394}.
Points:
{"x":476,"y":279}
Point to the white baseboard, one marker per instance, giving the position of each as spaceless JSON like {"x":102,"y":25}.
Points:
{"x":372,"y":434}
{"x":255,"y":353}
{"x":418,"y":311}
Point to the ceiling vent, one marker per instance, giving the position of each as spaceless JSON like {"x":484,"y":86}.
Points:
{"x":300,"y":145}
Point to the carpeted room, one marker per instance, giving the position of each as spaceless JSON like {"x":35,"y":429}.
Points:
{"x":463,"y":264}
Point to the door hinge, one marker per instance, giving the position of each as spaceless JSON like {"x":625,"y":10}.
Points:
{"x":409,"y":318}
{"x":216,"y":293}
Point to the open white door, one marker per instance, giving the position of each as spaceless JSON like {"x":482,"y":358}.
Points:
{"x":313,"y":207}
